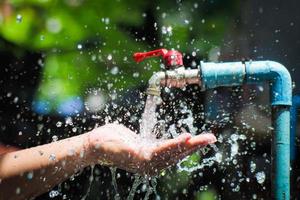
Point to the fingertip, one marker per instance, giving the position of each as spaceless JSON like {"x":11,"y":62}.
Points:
{"x":203,"y":139}
{"x":210,"y":138}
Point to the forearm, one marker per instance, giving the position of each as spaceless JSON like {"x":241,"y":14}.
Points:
{"x":30,"y":172}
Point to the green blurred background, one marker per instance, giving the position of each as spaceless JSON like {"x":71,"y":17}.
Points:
{"x":88,"y":44}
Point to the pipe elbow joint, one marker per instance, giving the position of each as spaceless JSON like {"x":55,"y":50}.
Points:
{"x":278,"y":77}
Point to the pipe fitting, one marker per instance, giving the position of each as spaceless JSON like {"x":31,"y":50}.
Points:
{"x":177,"y":78}
{"x":278,"y":76}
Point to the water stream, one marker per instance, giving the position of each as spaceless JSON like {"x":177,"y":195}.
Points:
{"x":91,"y":179}
{"x":149,"y":118}
{"x":137,"y":181}
{"x":113,"y":171}
{"x":148,"y":122}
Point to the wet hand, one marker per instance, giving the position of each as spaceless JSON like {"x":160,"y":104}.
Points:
{"x":116,"y":145}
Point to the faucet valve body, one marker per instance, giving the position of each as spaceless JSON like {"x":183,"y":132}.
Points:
{"x":175,"y":75}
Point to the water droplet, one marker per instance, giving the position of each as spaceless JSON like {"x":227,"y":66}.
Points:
{"x":19,"y":18}
{"x":167,"y":30}
{"x":18,"y":190}
{"x":53,"y":25}
{"x":59,"y":124}
{"x":52,"y":157}
{"x":261,"y":88}
{"x":218,"y":157}
{"x":254,"y":196}
{"x":54,"y":138}
{"x":69,"y":121}
{"x":79,"y":46}
{"x":105,"y":20}
{"x":109,"y":57}
{"x":136,"y":74}
{"x":16,"y":99}
{"x":260,"y":177}
{"x":252,"y":166}
{"x":30,"y":175}
{"x":53,"y":193}
{"x":114,"y":70}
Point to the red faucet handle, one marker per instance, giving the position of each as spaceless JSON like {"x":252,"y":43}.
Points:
{"x":171,"y":58}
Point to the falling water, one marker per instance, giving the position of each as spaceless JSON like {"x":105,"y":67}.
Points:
{"x":114,"y":182}
{"x":148,"y":122}
{"x":149,"y":184}
{"x":91,"y":179}
{"x":149,"y":189}
{"x":149,"y":118}
{"x":137,"y":181}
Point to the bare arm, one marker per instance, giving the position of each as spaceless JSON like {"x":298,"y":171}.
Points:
{"x":31,"y":172}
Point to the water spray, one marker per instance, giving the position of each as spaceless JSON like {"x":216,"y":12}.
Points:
{"x":212,"y":75}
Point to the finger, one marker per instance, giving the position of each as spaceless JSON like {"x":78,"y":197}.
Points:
{"x":193,"y":143}
{"x":175,"y":143}
{"x":201,"y":140}
{"x":173,"y":150}
{"x":174,"y":155}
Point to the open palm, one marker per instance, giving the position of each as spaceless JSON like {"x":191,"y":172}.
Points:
{"x":116,"y":145}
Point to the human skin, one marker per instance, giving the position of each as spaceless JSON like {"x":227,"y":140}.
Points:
{"x":30,"y":172}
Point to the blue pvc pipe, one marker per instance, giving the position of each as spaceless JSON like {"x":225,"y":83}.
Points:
{"x":294,"y":112}
{"x":238,"y":73}
{"x":281,"y":152}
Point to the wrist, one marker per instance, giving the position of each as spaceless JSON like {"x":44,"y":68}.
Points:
{"x":96,"y":147}
{"x":78,"y":151}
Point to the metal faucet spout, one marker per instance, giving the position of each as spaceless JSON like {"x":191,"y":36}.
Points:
{"x":177,"y":78}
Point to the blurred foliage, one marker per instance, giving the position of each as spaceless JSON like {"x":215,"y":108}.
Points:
{"x":191,"y":161}
{"x":206,"y":195}
{"x":90,"y":43}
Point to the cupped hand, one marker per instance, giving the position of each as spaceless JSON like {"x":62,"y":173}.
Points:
{"x":114,"y":144}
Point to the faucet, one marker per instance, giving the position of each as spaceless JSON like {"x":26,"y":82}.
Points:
{"x":212,"y":75}
{"x":174,"y":75}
